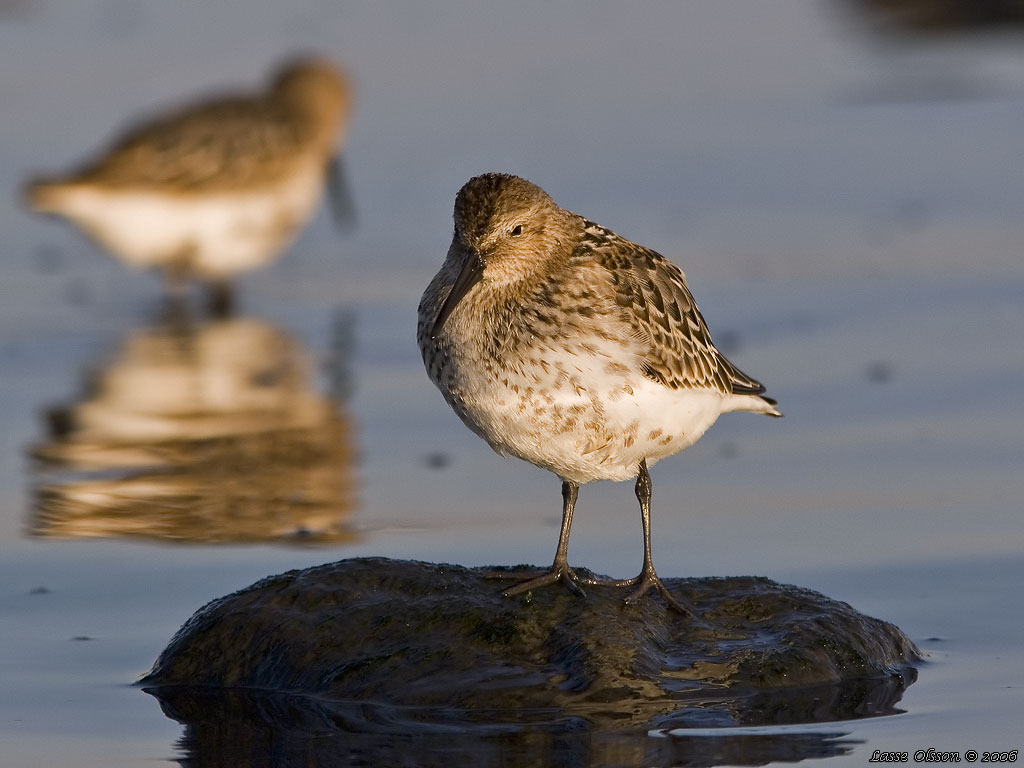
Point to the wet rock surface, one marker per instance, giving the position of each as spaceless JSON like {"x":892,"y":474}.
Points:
{"x":384,"y":648}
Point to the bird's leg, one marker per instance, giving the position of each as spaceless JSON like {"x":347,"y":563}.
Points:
{"x":175,"y":277}
{"x":339,"y":195}
{"x":560,"y":570}
{"x":220,"y":299}
{"x":648,"y":579}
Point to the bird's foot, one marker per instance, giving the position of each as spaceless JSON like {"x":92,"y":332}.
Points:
{"x":558,"y":573}
{"x":645,"y":582}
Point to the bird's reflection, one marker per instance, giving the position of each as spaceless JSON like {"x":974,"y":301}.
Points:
{"x":218,"y":187}
{"x":209,"y":432}
{"x":240,"y":727}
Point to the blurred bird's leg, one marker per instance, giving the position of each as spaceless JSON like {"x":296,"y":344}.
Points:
{"x":339,"y":195}
{"x":220,"y":298}
{"x":175,"y":276}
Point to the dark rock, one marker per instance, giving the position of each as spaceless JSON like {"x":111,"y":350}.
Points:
{"x":375,"y":646}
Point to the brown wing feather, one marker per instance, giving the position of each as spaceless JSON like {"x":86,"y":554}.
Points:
{"x":224,"y":143}
{"x":658,"y":304}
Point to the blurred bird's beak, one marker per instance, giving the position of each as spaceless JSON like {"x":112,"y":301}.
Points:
{"x":339,"y":195}
{"x":470,"y":275}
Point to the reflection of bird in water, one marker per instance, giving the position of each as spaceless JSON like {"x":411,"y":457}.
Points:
{"x":560,"y":342}
{"x":212,"y":433}
{"x":214,"y":189}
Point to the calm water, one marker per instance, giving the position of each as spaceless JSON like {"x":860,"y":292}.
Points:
{"x":847,"y":206}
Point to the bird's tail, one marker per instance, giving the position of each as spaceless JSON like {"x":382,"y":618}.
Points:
{"x":755,"y":403}
{"x":772,"y":409}
{"x":45,"y":196}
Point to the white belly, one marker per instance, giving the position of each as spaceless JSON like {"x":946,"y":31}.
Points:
{"x":585,"y":418}
{"x":210,"y":236}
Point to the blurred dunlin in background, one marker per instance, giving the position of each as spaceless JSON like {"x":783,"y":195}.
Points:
{"x":217,"y":188}
{"x":933,"y":49}
{"x":926,"y":17}
{"x":198,"y":433}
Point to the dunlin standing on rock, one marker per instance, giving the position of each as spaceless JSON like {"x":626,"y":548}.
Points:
{"x":213,"y":189}
{"x":557,"y":341}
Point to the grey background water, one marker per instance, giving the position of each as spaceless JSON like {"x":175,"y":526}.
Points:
{"x":845,"y":201}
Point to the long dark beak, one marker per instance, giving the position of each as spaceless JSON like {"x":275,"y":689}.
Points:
{"x":339,"y":195}
{"x":470,"y":275}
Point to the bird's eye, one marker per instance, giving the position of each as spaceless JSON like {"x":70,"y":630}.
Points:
{"x":516,"y":230}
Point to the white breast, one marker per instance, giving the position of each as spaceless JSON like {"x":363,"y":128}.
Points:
{"x":583,"y":410}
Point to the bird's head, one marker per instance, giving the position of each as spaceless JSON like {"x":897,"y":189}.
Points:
{"x":507,"y":230}
{"x":320,"y":90}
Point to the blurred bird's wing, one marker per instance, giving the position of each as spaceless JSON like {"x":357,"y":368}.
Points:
{"x":223,"y":144}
